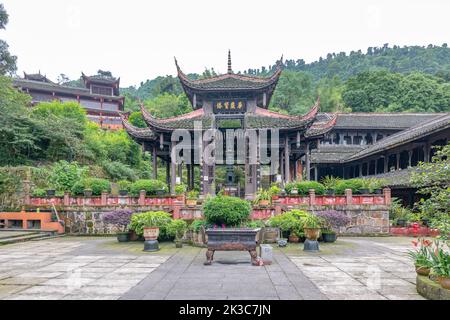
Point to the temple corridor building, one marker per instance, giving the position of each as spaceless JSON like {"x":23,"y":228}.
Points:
{"x":310,"y":147}
{"x":100,"y":96}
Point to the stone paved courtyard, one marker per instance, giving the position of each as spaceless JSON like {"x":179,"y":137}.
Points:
{"x":101,"y":268}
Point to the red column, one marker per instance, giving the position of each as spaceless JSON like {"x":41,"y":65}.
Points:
{"x":104,"y":198}
{"x":142,"y":198}
{"x":66,"y":199}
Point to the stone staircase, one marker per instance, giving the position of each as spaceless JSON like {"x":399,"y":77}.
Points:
{"x":10,"y":236}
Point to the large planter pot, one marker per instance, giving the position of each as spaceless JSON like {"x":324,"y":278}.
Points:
{"x":275,"y":197}
{"x":330,"y":192}
{"x":51,"y":193}
{"x":133,"y":236}
{"x":178,"y":244}
{"x":151,"y":233}
{"x":312,"y":233}
{"x":270,"y":235}
{"x":123,"y":193}
{"x":123,"y":237}
{"x":88,"y":193}
{"x":423,"y":271}
{"x":378,"y":191}
{"x":264,"y":203}
{"x":191,"y":202}
{"x":364,"y":191}
{"x":401,"y":222}
{"x":444,"y":282}
{"x":329,"y":237}
{"x":294,"y":239}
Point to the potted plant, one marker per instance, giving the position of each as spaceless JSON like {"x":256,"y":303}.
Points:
{"x":365,"y":186}
{"x":275,"y":191}
{"x":422,"y":256}
{"x":332,"y":220}
{"x":51,"y":192}
{"x":124,"y":187}
{"x":177,"y":228}
{"x":440,"y":265}
{"x":330,"y":182}
{"x":375,"y":185}
{"x":263,"y":197}
{"x":87,"y":192}
{"x":311,"y":226}
{"x":150,"y":224}
{"x":191,"y":198}
{"x":119,"y":219}
{"x":180,"y":191}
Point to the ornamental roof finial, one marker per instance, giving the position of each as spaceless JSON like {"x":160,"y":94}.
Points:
{"x":230,"y":71}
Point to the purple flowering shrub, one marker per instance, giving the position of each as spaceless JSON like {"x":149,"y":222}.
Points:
{"x":334,"y":219}
{"x":119,"y":218}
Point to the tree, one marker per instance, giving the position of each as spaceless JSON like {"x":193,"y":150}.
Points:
{"x":371,"y":90}
{"x":137,"y":120}
{"x":294,"y":93}
{"x":17,"y":138}
{"x":7,"y":61}
{"x":168,"y":105}
{"x":3,"y":17}
{"x":433,"y":181}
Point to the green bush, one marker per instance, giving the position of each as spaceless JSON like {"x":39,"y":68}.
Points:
{"x":354,"y":184}
{"x":97,"y":186}
{"x":290,"y":186}
{"x":197,"y":224}
{"x":124,"y":185}
{"x":304,"y":187}
{"x":230,"y":211}
{"x":176,"y":228}
{"x":39,"y":193}
{"x":150,"y":186}
{"x":180,"y":189}
{"x":158,"y":219}
{"x":291,"y":221}
{"x":64,"y":175}
{"x":118,"y":171}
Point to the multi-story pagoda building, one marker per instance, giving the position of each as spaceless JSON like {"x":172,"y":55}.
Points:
{"x":99,"y":95}
{"x":238,"y":103}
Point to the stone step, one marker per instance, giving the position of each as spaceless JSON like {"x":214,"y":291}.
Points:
{"x":24,"y":238}
{"x":15,"y":233}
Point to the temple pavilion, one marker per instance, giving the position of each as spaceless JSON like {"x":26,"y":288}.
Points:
{"x":239,"y":103}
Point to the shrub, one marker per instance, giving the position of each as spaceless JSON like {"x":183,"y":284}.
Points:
{"x":330,"y":182}
{"x":38,"y":192}
{"x":119,"y":218}
{"x":230,"y":211}
{"x":118,"y":171}
{"x":275,"y":190}
{"x":334,"y":219}
{"x":158,"y":219}
{"x":290,"y":186}
{"x":64,"y":175}
{"x":150,"y":186}
{"x":354,"y":184}
{"x":192,"y":195}
{"x":291,"y":221}
{"x":176,"y":228}
{"x":304,"y":187}
{"x":197,"y":224}
{"x":97,"y":186}
{"x":180,"y":189}
{"x":124,"y":185}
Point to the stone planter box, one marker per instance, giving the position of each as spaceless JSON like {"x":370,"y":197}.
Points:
{"x":431,"y":290}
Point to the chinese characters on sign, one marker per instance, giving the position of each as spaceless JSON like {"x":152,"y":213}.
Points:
{"x":229,"y":106}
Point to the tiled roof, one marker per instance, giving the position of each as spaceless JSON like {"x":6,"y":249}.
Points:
{"x":52,"y":87}
{"x":399,"y":121}
{"x":140,"y":134}
{"x":437,"y":124}
{"x":398,"y":178}
{"x":333,"y":153}
{"x":182,"y":122}
{"x":319,"y":128}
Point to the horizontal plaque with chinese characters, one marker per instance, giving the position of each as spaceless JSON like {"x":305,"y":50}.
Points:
{"x":230,"y":106}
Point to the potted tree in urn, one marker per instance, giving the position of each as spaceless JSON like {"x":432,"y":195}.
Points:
{"x":275,"y":191}
{"x":332,"y":220}
{"x":262,"y":198}
{"x":177,"y":228}
{"x":120,"y":219}
{"x":311,"y":226}
{"x":150,"y":225}
{"x":191,"y":198}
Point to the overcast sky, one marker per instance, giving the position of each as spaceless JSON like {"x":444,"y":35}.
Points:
{"x":138,"y":39}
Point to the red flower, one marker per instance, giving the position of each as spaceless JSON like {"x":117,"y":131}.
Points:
{"x":415,"y":243}
{"x":427,"y":243}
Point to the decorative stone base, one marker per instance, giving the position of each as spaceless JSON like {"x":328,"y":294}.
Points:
{"x":311,"y":246}
{"x":151,"y":246}
{"x":431,"y":290}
